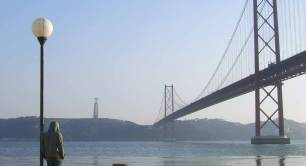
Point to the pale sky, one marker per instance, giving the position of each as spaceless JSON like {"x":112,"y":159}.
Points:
{"x":122,"y":52}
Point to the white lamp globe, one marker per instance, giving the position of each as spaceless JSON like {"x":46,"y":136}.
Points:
{"x":42,"y":27}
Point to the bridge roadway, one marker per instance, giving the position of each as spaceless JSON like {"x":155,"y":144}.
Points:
{"x":286,"y":69}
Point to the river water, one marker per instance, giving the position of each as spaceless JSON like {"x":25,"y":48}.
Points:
{"x":225,"y":153}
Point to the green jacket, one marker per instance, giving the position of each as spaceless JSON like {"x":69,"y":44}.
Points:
{"x":53,"y":148}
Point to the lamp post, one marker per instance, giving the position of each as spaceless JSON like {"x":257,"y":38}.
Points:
{"x":42,"y":28}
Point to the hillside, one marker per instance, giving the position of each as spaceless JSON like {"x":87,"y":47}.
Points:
{"x":118,"y":130}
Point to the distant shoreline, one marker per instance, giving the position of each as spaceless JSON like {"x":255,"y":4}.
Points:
{"x":88,"y":130}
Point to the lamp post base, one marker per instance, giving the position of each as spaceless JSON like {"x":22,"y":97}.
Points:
{"x":270,"y":140}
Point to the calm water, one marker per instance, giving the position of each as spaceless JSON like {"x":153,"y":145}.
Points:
{"x":15,"y":153}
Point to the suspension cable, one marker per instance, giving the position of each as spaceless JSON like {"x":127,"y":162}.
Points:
{"x":160,"y":108}
{"x":225,"y":52}
{"x":178,"y":96}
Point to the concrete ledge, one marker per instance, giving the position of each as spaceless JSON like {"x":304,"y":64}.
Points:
{"x":270,"y":140}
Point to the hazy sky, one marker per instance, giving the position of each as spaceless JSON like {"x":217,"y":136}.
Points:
{"x":123,"y":52}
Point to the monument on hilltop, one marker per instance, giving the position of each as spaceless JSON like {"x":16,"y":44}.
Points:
{"x":96,"y":110}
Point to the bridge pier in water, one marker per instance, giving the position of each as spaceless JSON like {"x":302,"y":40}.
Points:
{"x":267,"y":46}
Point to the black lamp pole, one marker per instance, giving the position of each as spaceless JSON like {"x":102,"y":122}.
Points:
{"x":42,"y":41}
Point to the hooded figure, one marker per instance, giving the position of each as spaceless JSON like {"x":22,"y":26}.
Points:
{"x":53,"y":148}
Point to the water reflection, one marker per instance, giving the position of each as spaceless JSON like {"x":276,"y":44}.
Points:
{"x":170,"y":162}
{"x":281,"y":161}
{"x":230,"y":161}
{"x":258,"y":161}
{"x":95,"y":161}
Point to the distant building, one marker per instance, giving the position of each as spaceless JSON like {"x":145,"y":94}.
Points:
{"x":96,"y":110}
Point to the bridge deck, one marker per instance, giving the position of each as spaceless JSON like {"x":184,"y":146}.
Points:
{"x":286,"y":69}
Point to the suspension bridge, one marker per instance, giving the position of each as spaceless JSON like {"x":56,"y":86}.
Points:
{"x":266,"y":48}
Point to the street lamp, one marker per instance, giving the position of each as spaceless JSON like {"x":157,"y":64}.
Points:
{"x":42,"y":28}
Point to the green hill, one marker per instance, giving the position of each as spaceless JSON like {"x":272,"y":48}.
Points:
{"x":27,"y":128}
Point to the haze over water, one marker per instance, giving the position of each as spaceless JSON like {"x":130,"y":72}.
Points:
{"x":224,"y":153}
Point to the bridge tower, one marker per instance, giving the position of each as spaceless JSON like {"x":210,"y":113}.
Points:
{"x":169,"y":129}
{"x":266,"y":22}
